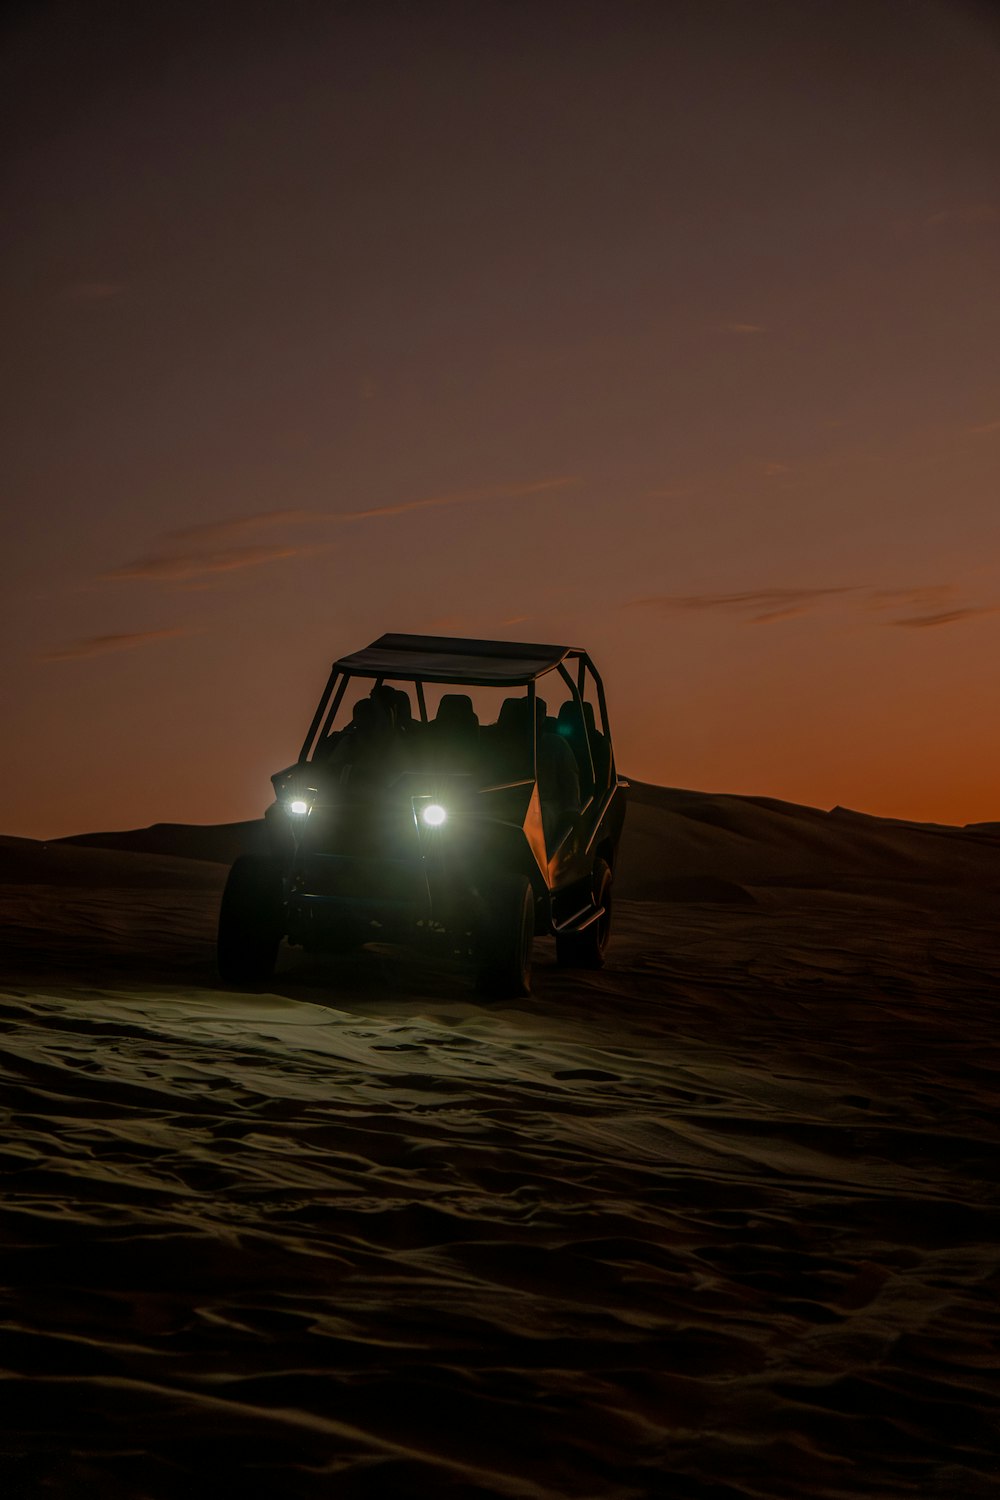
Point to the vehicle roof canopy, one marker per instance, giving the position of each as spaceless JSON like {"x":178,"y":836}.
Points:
{"x":443,"y":658}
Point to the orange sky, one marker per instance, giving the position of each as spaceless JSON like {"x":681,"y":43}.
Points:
{"x":668,"y":331}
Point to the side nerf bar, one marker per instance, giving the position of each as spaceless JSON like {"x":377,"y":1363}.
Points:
{"x":580,"y":920}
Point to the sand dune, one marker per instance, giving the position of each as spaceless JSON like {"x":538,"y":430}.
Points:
{"x":676,"y":836}
{"x":721,"y":1220}
{"x":220,"y":843}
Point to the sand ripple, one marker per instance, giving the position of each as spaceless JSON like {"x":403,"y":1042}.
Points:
{"x":720,"y":1221}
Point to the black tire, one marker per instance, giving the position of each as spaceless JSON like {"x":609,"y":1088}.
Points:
{"x":251,"y":921}
{"x":586,"y":949}
{"x":506,"y":937}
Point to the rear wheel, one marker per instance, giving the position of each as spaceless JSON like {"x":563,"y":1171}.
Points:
{"x":506,"y":936}
{"x":585,"y":950}
{"x":251,"y":920}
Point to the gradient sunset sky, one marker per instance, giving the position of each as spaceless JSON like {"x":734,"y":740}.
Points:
{"x":667,"y":330}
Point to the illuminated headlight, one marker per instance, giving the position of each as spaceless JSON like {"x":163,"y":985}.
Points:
{"x":434,"y":815}
{"x":298,"y":807}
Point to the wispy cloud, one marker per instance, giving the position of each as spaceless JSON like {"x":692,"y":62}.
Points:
{"x":194,"y":553}
{"x":759,"y":606}
{"x":100,"y":645}
{"x":985,"y":427}
{"x":182,"y":567}
{"x":745,"y":327}
{"x":922,"y":606}
{"x":234,"y":528}
{"x":925,"y":605}
{"x":461,"y":497}
{"x":945,"y":616}
{"x":924,"y":596}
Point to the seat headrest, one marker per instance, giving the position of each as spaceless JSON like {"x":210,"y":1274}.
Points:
{"x":371,"y":716}
{"x":570,"y":718}
{"x":455,"y":711}
{"x":402,"y":706}
{"x":513,"y":714}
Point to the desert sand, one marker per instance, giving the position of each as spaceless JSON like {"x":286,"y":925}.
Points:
{"x":720,"y":1220}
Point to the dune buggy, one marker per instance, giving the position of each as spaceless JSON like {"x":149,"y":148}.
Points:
{"x":438,"y":795}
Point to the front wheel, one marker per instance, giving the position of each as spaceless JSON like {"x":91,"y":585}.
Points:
{"x":506,"y":937}
{"x":585,"y":950}
{"x":251,"y":921}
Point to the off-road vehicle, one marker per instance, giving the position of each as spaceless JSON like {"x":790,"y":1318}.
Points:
{"x":438,"y":795}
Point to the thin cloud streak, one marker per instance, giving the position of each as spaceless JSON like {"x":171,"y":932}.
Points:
{"x":181,"y":567}
{"x":937,"y":604}
{"x":922,"y":597}
{"x":237,"y":526}
{"x":212,"y":546}
{"x":789,"y":612}
{"x":461,"y":497}
{"x":100,"y":645}
{"x":945,"y":617}
{"x":765,"y":606}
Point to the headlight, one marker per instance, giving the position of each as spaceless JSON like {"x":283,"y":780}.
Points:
{"x":434,"y":815}
{"x":298,"y":806}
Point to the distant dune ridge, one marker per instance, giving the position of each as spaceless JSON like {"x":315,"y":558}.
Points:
{"x":219,"y":842}
{"x":682,"y":845}
{"x":719,"y":1220}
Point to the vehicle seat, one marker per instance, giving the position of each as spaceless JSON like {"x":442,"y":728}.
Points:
{"x":369,"y":748}
{"x":574,"y":736}
{"x":409,"y":729}
{"x":453,"y":734}
{"x":510,"y":738}
{"x":600,"y":748}
{"x":403,"y":710}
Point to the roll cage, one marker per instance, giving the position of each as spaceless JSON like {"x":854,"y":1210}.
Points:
{"x":467,"y":662}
